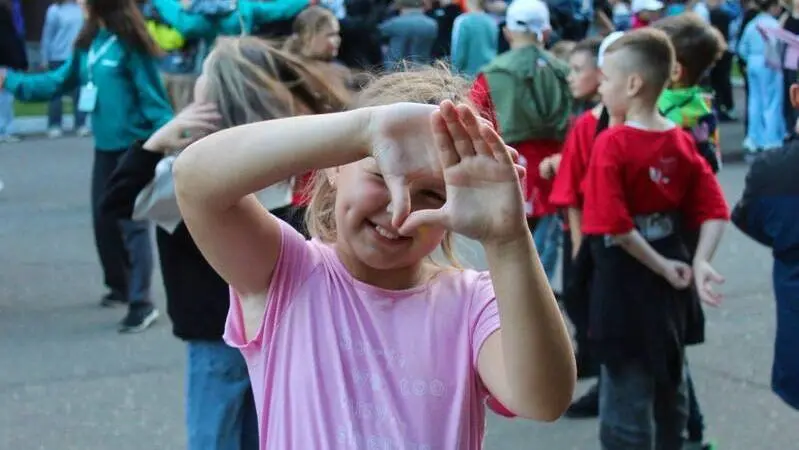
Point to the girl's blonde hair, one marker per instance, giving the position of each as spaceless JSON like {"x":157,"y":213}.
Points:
{"x":308,"y":23}
{"x":426,"y":85}
{"x":250,"y":80}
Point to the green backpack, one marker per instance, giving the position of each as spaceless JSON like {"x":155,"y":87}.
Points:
{"x":530,"y":94}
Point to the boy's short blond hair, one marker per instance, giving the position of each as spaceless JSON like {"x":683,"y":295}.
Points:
{"x":648,"y":52}
{"x":697,"y":44}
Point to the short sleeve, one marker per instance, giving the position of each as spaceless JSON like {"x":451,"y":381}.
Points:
{"x":566,"y":186}
{"x":294,"y":265}
{"x":704,"y":200}
{"x":605,"y":208}
{"x":483,"y":314}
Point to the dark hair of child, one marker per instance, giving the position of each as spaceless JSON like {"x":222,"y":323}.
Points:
{"x":697,"y":45}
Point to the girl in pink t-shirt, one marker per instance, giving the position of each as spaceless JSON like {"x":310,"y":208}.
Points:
{"x":358,"y":338}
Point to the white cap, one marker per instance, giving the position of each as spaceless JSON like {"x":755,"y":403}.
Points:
{"x":610,"y":39}
{"x":528,"y":16}
{"x":646,"y":5}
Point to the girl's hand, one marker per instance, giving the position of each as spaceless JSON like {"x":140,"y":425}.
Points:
{"x":195,"y":121}
{"x":484,"y":195}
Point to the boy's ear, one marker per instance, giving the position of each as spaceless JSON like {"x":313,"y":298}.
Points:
{"x":676,"y":73}
{"x":508,"y":35}
{"x":794,"y":95}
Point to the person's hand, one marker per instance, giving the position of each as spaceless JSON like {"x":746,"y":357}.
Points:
{"x":194,"y":122}
{"x":677,"y":273}
{"x":484,"y":197}
{"x":705,"y":276}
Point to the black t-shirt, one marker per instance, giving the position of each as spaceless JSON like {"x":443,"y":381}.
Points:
{"x":445,"y":17}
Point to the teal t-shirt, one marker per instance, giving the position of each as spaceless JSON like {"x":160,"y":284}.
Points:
{"x":131,"y":100}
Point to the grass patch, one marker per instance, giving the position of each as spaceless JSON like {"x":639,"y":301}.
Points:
{"x":25,"y":109}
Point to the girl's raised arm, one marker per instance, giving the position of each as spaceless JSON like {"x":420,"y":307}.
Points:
{"x":215,"y":176}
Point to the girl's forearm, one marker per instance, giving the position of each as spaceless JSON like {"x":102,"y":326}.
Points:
{"x":221,"y":169}
{"x":539,"y":360}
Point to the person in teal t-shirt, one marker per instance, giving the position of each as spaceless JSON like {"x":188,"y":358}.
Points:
{"x":115,"y":67}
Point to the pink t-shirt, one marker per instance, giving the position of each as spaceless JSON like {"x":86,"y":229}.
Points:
{"x":339,"y":364}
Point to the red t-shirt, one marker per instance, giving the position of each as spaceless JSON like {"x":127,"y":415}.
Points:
{"x":531,"y":153}
{"x":567,"y":187}
{"x":638,"y":172}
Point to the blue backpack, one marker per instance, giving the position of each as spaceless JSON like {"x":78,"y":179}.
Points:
{"x":212,"y":7}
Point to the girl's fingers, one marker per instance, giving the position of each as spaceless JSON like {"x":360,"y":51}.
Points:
{"x":472,"y":126}
{"x":498,"y":148}
{"x":446,"y":148}
{"x":461,"y":139}
{"x":514,"y":154}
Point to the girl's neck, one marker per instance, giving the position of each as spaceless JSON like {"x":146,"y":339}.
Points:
{"x":391,"y":279}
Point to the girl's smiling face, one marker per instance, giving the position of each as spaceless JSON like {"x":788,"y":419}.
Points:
{"x":366,"y":240}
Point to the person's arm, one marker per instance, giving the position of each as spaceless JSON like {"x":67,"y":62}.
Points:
{"x":575,"y":219}
{"x":233,"y":231}
{"x":528,"y":365}
{"x":48,"y":31}
{"x":273,"y":10}
{"x":190,"y":25}
{"x":750,"y":211}
{"x":29,"y":87}
{"x":152,"y":97}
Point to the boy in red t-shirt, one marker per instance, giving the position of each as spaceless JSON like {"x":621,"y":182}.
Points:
{"x":646,"y":183}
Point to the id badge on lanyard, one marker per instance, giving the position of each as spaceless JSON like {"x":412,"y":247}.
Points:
{"x":87,"y":99}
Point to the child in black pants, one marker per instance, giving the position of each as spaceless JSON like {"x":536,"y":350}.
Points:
{"x":646,"y":184}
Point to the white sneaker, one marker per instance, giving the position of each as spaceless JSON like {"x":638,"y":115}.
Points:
{"x":83,"y":131}
{"x":54,"y":133}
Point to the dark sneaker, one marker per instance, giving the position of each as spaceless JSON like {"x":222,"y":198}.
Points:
{"x":111,"y":300}
{"x":586,"y":406}
{"x":138,"y":319}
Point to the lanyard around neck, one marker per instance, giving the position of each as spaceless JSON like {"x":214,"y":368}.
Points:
{"x":93,"y":56}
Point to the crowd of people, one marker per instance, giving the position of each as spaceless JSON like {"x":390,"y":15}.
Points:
{"x":301,"y":162}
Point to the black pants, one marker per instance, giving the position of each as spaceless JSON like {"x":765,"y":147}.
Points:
{"x":124,"y":246}
{"x":721,"y":83}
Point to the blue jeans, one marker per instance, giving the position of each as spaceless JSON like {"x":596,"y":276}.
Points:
{"x":55,"y":108}
{"x":547,"y":236}
{"x":764,"y":106}
{"x":220,"y":410}
{"x":6,"y":112}
{"x":638,"y":413}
